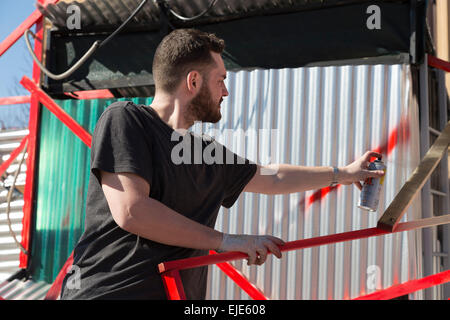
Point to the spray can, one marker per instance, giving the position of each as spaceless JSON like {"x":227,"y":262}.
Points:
{"x":370,"y":193}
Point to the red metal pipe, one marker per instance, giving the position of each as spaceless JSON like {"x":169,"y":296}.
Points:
{"x":288,"y":246}
{"x":438,"y":63}
{"x":18,"y":32}
{"x":14,"y":100}
{"x":173,"y":286}
{"x":53,"y":107}
{"x":28,"y":195}
{"x":90,"y":94}
{"x":301,"y":244}
{"x":240,"y":280}
{"x":408,"y":287}
{"x":55,"y":289}
{"x":80,"y":95}
{"x":13,"y":155}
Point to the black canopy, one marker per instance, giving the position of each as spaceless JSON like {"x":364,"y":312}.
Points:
{"x":258,"y":34}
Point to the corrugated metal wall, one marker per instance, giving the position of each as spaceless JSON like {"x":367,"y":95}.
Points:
{"x":63,"y":171}
{"x":23,"y":290}
{"x":318,"y":116}
{"x":9,"y":249}
{"x":321,"y":116}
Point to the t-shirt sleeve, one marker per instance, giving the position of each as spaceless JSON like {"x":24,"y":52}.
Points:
{"x":236,"y":176}
{"x":120,"y":144}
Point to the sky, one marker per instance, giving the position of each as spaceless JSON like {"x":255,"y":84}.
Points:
{"x":14,"y":63}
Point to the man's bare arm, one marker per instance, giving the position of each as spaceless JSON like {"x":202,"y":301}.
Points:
{"x":134,"y":211}
{"x":286,"y":178}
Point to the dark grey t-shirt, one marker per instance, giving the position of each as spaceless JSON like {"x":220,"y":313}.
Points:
{"x":116,"y":264}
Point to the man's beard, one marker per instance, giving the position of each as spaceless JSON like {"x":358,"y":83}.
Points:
{"x":203,"y":108}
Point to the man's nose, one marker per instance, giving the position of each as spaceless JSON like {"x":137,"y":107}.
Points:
{"x":224,"y":91}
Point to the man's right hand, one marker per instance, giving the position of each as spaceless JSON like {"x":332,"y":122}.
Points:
{"x":257,"y":247}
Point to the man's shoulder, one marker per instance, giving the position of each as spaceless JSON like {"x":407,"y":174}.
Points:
{"x":123,"y":109}
{"x":122,"y":106}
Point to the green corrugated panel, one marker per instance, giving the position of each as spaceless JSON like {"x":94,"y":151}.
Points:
{"x":62,"y":184}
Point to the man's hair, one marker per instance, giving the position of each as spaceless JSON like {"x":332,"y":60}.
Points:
{"x":180,"y":52}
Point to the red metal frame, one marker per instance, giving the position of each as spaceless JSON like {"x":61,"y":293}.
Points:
{"x":90,"y":94}
{"x":408,"y":287}
{"x":80,"y":95}
{"x":40,"y":96}
{"x":13,"y":155}
{"x":195,"y":262}
{"x":240,"y":280}
{"x":35,"y":17}
{"x":53,"y":107}
{"x":438,"y":63}
{"x":173,"y":286}
{"x":55,"y":289}
{"x":14,"y":100}
{"x":28,"y":196}
{"x":18,"y":32}
{"x":188,"y":263}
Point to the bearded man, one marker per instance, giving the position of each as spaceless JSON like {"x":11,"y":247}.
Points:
{"x":144,"y":208}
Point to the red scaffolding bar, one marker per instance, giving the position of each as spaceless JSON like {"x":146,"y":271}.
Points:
{"x":408,"y":287}
{"x":302,"y":244}
{"x":173,"y":267}
{"x":34,"y":18}
{"x":55,"y":289}
{"x":13,"y":155}
{"x":28,"y":195}
{"x":53,"y":107}
{"x":438,"y":63}
{"x":240,"y":280}
{"x":90,"y":94}
{"x":14,"y":100}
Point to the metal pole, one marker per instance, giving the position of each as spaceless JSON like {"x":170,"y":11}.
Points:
{"x":173,"y":285}
{"x":33,"y":125}
{"x":445,"y":248}
{"x":427,"y":204}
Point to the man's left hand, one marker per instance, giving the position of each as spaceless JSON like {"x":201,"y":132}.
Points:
{"x":357,"y":171}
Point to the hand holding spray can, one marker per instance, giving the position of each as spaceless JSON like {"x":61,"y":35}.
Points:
{"x":370,"y":193}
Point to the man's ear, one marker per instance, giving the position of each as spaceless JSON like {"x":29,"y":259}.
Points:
{"x":194,"y":81}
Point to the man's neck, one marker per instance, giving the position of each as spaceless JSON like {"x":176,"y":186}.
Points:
{"x":171,"y":111}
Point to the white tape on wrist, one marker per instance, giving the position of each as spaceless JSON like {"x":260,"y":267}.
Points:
{"x":223,"y":244}
{"x":230,"y":242}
